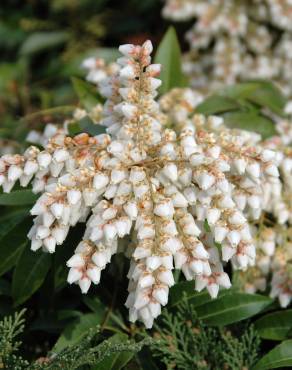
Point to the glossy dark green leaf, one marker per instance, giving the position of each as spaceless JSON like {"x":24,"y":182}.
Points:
{"x":40,"y":41}
{"x":5,"y":287}
{"x":278,"y":357}
{"x":12,"y":245}
{"x":18,"y":198}
{"x":29,"y":274}
{"x":87,"y":93}
{"x":217,"y":104}
{"x":250,"y":121}
{"x":75,"y":331}
{"x":11,"y":219}
{"x":169,"y":56}
{"x":231,"y":308}
{"x":275,"y":326}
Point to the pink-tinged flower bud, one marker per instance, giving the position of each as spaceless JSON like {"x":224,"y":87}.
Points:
{"x":36,"y":244}
{"x":100,"y":180}
{"x":50,"y":244}
{"x":201,"y":283}
{"x":117,"y":176}
{"x":213,"y":215}
{"x":223,"y":280}
{"x":227,"y":253}
{"x":42,"y":232}
{"x":153,"y":70}
{"x":164,"y":209}
{"x":60,"y":155}
{"x":14,"y":173}
{"x":161,"y":295}
{"x":76,"y":261}
{"x":154,"y":83}
{"x":99,"y":258}
{"x":74,"y":275}
{"x":267,"y":155}
{"x":220,"y":233}
{"x":205,"y":180}
{"x":285,"y":299}
{"x":240,"y":165}
{"x":146,"y":281}
{"x":153,"y":262}
{"x":155,"y":309}
{"x":127,"y":49}
{"x":146,"y":232}
{"x":131,"y":210}
{"x":272,"y":170}
{"x":109,"y":231}
{"x":128,"y":72}
{"x":180,"y":258}
{"x":237,"y":218}
{"x":30,"y":168}
{"x":84,"y":284}
{"x":73,"y":196}
{"x":93,"y":274}
{"x":57,"y":210}
{"x":196,"y":266}
{"x":147,"y":47}
{"x":171,"y":245}
{"x":213,"y":289}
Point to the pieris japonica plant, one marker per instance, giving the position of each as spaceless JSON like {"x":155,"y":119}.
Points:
{"x":186,"y":196}
{"x":235,"y":40}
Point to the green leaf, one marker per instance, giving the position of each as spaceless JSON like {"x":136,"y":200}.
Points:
{"x":4,"y":287}
{"x":231,"y":308}
{"x":241,"y":90}
{"x":169,"y":56}
{"x":187,"y":288}
{"x":87,"y":93}
{"x":250,"y":121}
{"x":278,"y":357}
{"x":29,"y":274}
{"x":217,"y":104}
{"x":10,"y":220}
{"x":88,"y":126}
{"x":75,"y":331}
{"x":267,"y":95}
{"x":18,"y":198}
{"x":40,"y":41}
{"x":12,"y":245}
{"x":275,"y":326}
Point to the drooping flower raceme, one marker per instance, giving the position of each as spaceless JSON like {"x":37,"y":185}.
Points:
{"x":177,"y":194}
{"x":236,"y":40}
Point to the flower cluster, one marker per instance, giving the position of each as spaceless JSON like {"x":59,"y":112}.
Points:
{"x":178,"y":194}
{"x":233,"y":40}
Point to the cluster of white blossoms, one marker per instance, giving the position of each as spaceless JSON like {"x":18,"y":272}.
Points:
{"x":186,"y":198}
{"x":98,"y":70}
{"x":235,"y":40}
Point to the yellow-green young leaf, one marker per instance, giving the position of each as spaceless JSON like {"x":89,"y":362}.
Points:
{"x":12,"y":245}
{"x":87,"y":93}
{"x":169,"y":56}
{"x":231,"y":308}
{"x":18,"y":198}
{"x":278,"y":357}
{"x":40,"y":41}
{"x":250,"y":121}
{"x":275,"y":326}
{"x":29,"y":274}
{"x":75,"y":331}
{"x":217,"y":104}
